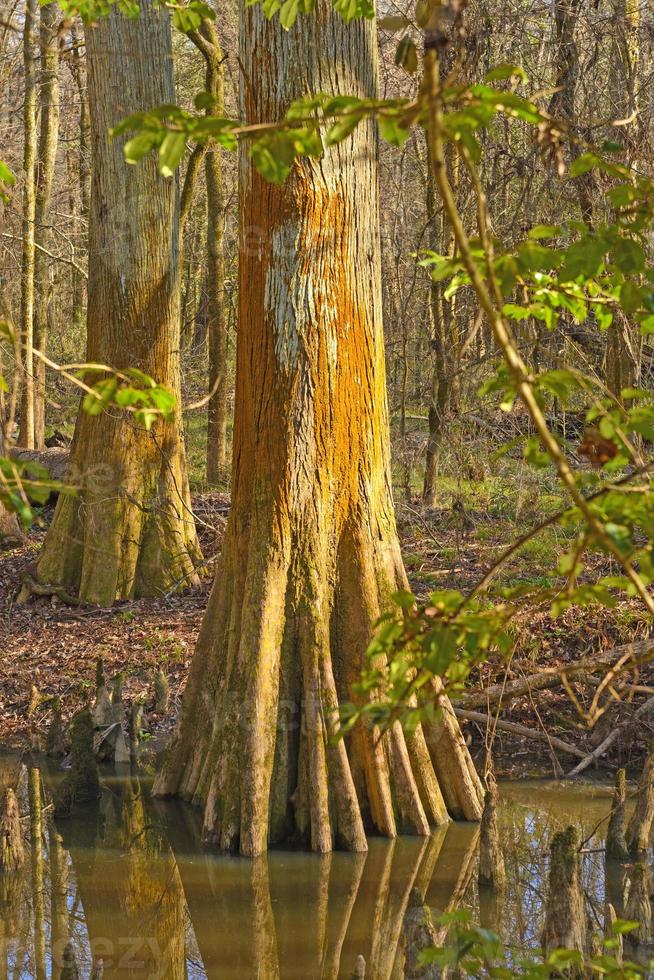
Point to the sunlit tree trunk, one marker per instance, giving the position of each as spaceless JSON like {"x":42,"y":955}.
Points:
{"x":48,"y":139}
{"x":80,"y":185}
{"x":129,"y":530}
{"x":311,"y":554}
{"x":26,"y":433}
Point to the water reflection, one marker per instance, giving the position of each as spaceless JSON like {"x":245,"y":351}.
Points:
{"x":126,"y":882}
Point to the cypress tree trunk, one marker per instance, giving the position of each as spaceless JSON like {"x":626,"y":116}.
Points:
{"x":26,"y":433}
{"x":48,"y":140}
{"x":311,"y":553}
{"x":129,"y":531}
{"x":80,"y":186}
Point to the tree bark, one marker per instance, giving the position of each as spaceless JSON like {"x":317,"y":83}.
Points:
{"x":26,"y":433}
{"x":217,"y":328}
{"x":445,"y":340}
{"x":207,"y":40}
{"x":623,"y":338}
{"x":311,"y":554}
{"x":129,"y":530}
{"x":48,"y":140}
{"x":81,"y":193}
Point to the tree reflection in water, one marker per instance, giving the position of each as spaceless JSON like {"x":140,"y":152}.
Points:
{"x":127,"y":881}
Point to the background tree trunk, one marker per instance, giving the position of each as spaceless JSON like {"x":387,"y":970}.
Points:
{"x":311,"y":555}
{"x":26,"y":433}
{"x":207,"y":40}
{"x":129,"y":531}
{"x":48,"y":139}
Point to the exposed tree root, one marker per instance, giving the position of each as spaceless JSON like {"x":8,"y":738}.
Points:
{"x":29,"y":587}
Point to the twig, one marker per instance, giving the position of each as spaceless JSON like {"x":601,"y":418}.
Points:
{"x":611,"y":738}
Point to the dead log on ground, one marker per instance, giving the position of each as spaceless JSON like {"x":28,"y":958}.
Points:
{"x":551,"y":677}
{"x":515,"y":729}
{"x":55,"y":460}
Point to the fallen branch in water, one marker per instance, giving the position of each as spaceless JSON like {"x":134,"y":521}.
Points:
{"x":515,"y":729}
{"x":598,"y":752}
{"x":639,"y":652}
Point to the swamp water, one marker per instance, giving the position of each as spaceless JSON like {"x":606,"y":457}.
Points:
{"x":126,"y":881}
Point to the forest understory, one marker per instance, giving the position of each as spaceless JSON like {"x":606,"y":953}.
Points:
{"x":50,"y":649}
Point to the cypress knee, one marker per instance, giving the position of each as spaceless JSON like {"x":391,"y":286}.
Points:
{"x":639,"y":907}
{"x":640,"y":825}
{"x":491,"y":860}
{"x":565,"y":919}
{"x":616,"y":841}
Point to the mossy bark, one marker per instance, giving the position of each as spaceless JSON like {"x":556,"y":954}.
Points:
{"x":128,"y":531}
{"x":616,"y":841}
{"x":492,"y":871}
{"x":639,"y":907}
{"x":311,"y":554}
{"x":565,"y":918}
{"x":12,"y":852}
{"x":640,"y":825}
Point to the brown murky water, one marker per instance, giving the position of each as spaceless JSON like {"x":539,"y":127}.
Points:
{"x":126,"y":881}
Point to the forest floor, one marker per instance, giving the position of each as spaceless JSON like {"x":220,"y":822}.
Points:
{"x":53,"y":648}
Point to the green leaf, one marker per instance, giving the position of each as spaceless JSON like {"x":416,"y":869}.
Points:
{"x":583,"y":259}
{"x":630,"y":297}
{"x":534,"y":453}
{"x":628,"y":255}
{"x":204,"y":100}
{"x":503,"y":71}
{"x":603,"y":315}
{"x":515,"y":312}
{"x":342,"y":129}
{"x":406,"y":55}
{"x":351,"y":9}
{"x":584,"y":163}
{"x":7,"y":179}
{"x":171,"y":152}
{"x":273,"y":156}
{"x":544,"y":231}
{"x":533,"y":257}
{"x":559,"y":382}
{"x":392,"y":130}
{"x":136,"y":148}
{"x":289,"y":12}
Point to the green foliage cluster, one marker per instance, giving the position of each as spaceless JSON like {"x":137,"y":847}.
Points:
{"x":7,"y":180}
{"x":472,"y":951}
